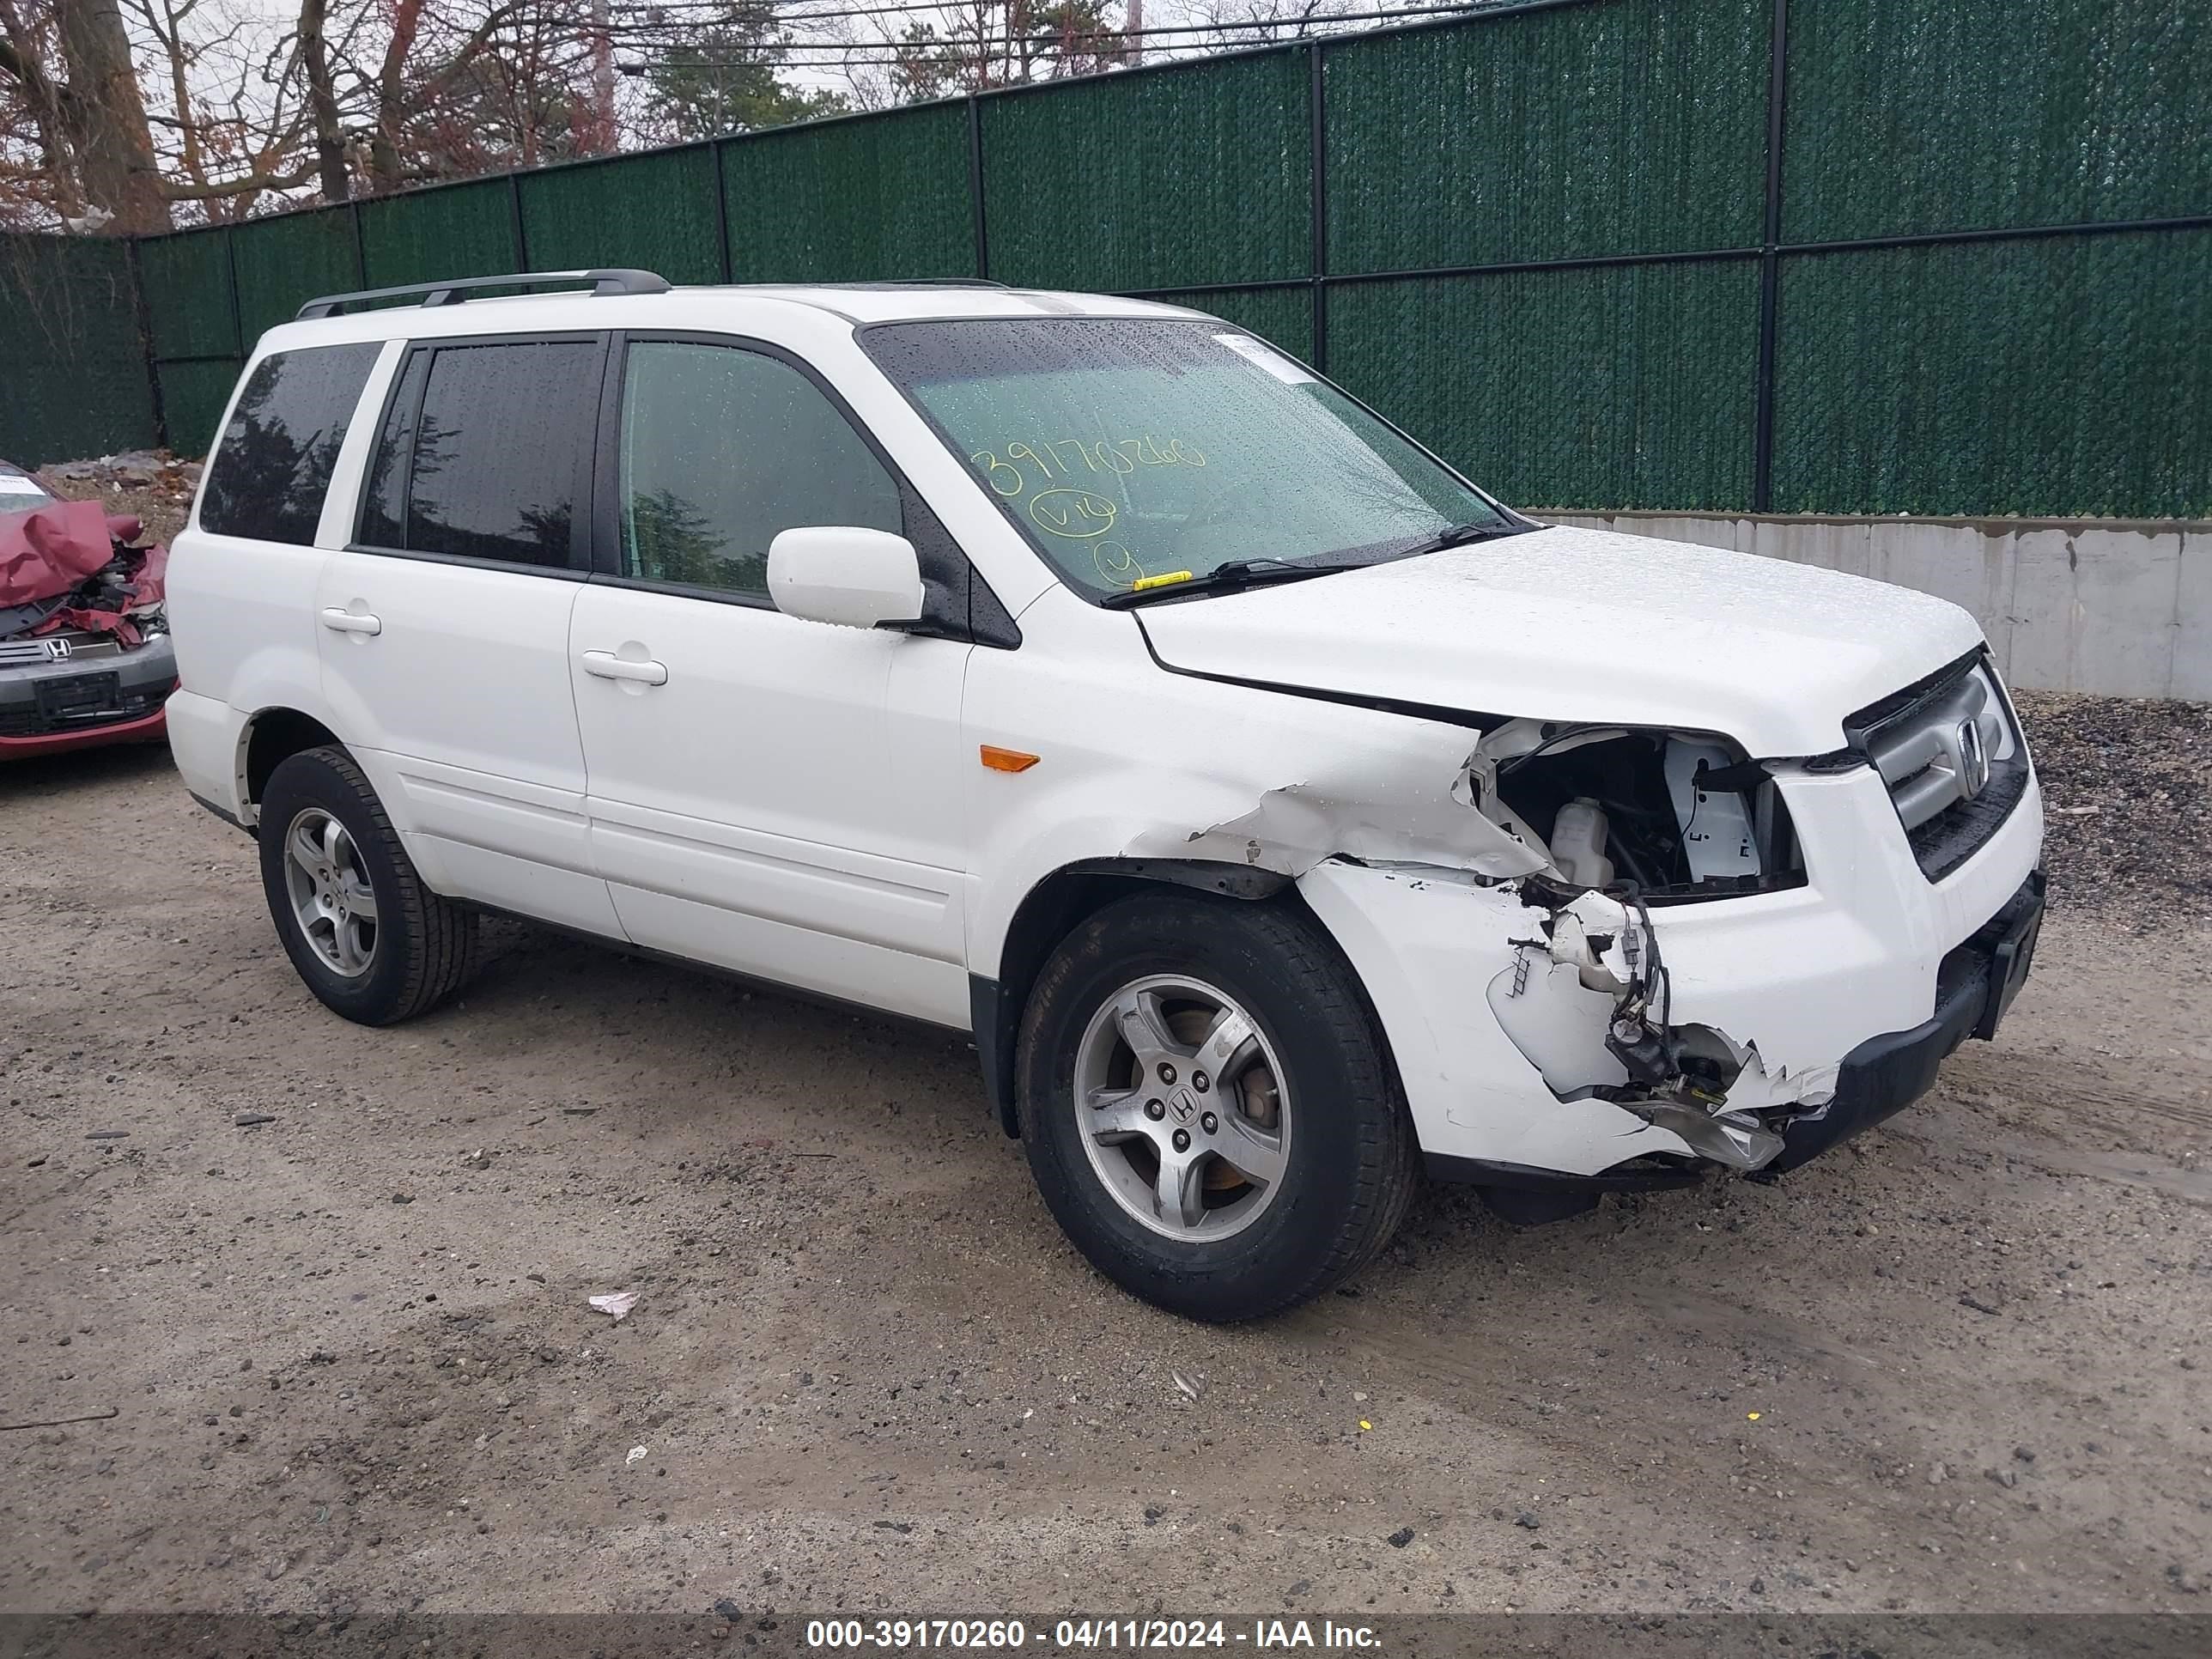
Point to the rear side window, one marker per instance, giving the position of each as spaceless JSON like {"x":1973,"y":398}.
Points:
{"x":723,"y":447}
{"x":273,"y":465}
{"x":483,"y":453}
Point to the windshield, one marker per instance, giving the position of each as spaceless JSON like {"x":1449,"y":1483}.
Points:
{"x":1133,"y":449}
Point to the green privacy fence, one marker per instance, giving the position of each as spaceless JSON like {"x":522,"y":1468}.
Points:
{"x":75,"y":375}
{"x":1804,"y":256}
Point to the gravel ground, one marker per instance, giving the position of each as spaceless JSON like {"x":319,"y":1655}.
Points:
{"x":2129,"y":814}
{"x":164,"y":507}
{"x":323,"y":1290}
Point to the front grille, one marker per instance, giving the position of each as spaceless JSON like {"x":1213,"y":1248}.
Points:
{"x":18,"y":653}
{"x":52,"y":715}
{"x":1950,"y":751}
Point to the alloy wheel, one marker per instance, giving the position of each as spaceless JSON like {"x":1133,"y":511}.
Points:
{"x":1183,"y":1108}
{"x":332,"y":899}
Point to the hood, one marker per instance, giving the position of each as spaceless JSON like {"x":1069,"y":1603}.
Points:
{"x":1585,"y":625}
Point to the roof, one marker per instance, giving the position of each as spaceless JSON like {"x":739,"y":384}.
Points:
{"x":882,"y":302}
{"x":739,"y":306}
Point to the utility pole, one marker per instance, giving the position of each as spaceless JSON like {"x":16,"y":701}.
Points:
{"x":602,"y":78}
{"x":1136,"y":26}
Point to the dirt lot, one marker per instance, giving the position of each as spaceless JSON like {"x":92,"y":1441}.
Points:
{"x":330,"y":1285}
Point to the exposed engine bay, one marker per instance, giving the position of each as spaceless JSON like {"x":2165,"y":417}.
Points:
{"x":1634,"y":818}
{"x":1675,"y":816}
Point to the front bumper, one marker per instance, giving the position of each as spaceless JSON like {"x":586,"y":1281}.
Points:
{"x":1859,"y":968}
{"x":49,"y":708}
{"x":1887,"y":1073}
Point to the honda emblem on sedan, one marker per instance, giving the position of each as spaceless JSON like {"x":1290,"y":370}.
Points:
{"x":58,"y":650}
{"x":1973,"y":761}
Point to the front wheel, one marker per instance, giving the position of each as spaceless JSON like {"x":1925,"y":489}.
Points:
{"x":1207,"y":1106}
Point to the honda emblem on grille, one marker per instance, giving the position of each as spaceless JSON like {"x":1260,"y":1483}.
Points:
{"x":1973,"y":761}
{"x":58,"y":650}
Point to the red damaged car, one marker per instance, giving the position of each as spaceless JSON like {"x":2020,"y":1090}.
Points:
{"x":85,"y":657}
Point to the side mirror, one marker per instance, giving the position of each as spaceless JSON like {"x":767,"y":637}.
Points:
{"x":845,"y":575}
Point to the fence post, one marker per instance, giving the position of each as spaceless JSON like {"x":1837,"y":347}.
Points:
{"x":359,"y":243}
{"x":237,"y":311}
{"x":1316,"y":120}
{"x":975,"y":185}
{"x":721,"y":204}
{"x":1769,"y":264}
{"x":143,"y":317}
{"x":514,"y":220}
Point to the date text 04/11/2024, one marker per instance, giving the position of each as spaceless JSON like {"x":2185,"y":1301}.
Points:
{"x":1084,"y":1634}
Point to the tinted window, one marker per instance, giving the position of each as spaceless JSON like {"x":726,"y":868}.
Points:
{"x":485,"y":442}
{"x":721,"y":448}
{"x":273,"y":465}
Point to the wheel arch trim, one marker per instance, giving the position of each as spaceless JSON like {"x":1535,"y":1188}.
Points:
{"x":261,"y":750}
{"x":1053,"y":907}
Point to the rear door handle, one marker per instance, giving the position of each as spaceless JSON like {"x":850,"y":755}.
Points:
{"x":609,"y":666}
{"x":349,"y":621}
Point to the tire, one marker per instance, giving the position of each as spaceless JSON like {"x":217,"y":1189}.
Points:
{"x":409,"y":949}
{"x":1336,"y":1158}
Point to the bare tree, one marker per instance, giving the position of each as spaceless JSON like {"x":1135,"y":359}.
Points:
{"x":136,"y":114}
{"x":107,"y":114}
{"x":994,"y":43}
{"x":1275,"y":20}
{"x":34,"y":122}
{"x":322,"y":94}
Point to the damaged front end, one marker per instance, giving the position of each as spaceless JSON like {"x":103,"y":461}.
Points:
{"x":1635,"y":818}
{"x":85,"y":656}
{"x":1586,"y":1000}
{"x":1612,"y":956}
{"x":1532,"y":876}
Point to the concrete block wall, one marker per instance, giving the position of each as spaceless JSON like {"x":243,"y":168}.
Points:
{"x":2118,"y":607}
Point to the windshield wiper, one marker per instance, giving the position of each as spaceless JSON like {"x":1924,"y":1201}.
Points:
{"x":1223,"y":578}
{"x":1460,"y":535}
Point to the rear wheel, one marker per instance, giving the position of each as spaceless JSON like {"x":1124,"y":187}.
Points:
{"x":369,"y":938}
{"x":1207,"y":1107}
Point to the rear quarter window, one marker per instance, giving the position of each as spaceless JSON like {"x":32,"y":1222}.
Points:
{"x":272,"y":466}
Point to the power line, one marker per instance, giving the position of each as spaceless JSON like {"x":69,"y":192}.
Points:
{"x":1180,"y":28}
{"x":1050,"y":34}
{"x":642,"y":6}
{"x":797,"y":17}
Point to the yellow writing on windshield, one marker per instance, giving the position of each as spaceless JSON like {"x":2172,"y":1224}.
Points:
{"x":1114,"y":561}
{"x":1075,"y":513}
{"x":1032,"y":473}
{"x":1062,"y":458}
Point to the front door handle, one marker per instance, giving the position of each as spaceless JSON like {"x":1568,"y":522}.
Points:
{"x":608,"y":666}
{"x":350,"y":622}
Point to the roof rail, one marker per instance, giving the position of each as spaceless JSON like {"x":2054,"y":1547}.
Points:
{"x":902,"y":282}
{"x":454,"y":290}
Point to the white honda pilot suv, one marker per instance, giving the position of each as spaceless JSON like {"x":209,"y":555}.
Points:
{"x":1280,"y":813}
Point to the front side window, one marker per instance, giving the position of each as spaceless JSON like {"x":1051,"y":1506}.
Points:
{"x":1134,"y":447}
{"x":482,"y":451}
{"x":721,"y":449}
{"x":273,"y":463}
